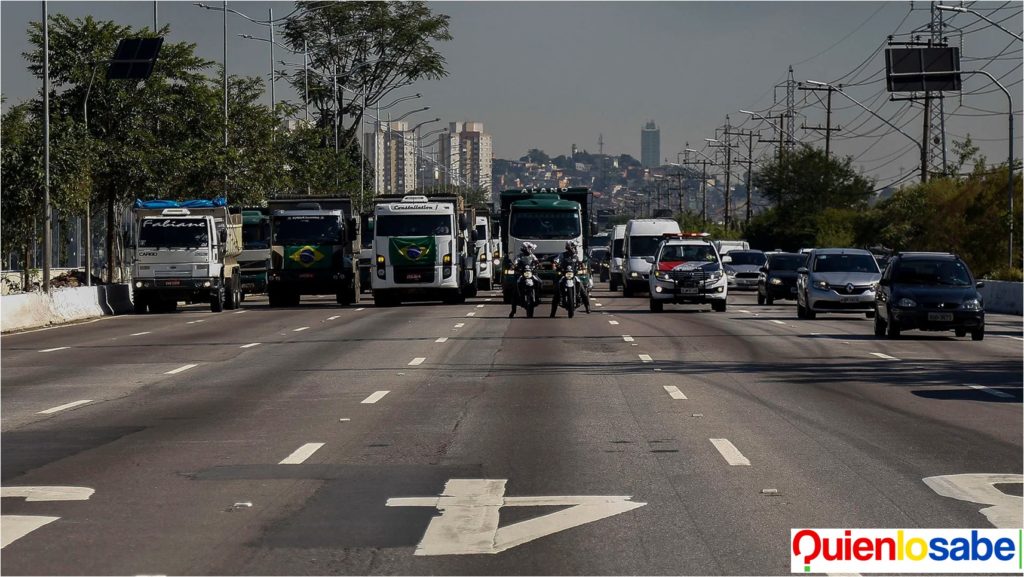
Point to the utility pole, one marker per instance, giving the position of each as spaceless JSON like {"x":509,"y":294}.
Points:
{"x":750,"y":163}
{"x":47,"y":214}
{"x":827,"y":129}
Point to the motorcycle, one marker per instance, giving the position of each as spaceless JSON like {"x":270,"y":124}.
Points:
{"x":527,"y":290}
{"x":569,"y":286}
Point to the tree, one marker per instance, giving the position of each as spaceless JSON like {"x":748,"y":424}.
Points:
{"x":536,"y":156}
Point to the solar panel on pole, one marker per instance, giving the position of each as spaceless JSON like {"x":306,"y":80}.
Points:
{"x":134,"y":58}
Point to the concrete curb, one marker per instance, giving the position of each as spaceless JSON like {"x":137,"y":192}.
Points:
{"x":1003,"y":297}
{"x":35,"y":310}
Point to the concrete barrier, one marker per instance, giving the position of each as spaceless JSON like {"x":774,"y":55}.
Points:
{"x":1003,"y":297}
{"x":35,"y":310}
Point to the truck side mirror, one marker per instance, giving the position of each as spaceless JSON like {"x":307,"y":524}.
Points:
{"x":353,"y":232}
{"x":473,"y":236}
{"x":463,"y":221}
{"x":222,"y":236}
{"x":593,"y":228}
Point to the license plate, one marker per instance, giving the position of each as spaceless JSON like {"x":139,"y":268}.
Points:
{"x":547,"y":284}
{"x":940,"y":317}
{"x":848,"y":299}
{"x":529,"y":283}
{"x":172,"y":282}
{"x":306,"y":275}
{"x":688,"y":290}
{"x":413,"y":276}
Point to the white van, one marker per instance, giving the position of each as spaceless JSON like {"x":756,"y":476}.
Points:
{"x":724,"y":246}
{"x":642,"y":237}
{"x":615,"y":260}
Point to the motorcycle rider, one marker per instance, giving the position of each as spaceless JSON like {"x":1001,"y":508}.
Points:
{"x":526,"y":258}
{"x":569,"y":260}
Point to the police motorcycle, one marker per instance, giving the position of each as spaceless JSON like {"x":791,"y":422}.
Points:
{"x":571,"y":287}
{"x":528,"y":289}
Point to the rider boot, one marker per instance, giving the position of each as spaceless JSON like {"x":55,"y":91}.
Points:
{"x":554,"y":303}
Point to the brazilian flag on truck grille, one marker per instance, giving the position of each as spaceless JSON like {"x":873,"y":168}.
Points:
{"x":412,"y":251}
{"x":307,"y":256}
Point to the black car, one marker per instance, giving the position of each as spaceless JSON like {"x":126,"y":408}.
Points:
{"x":599,"y":256}
{"x":777,"y":279}
{"x":929,"y":291}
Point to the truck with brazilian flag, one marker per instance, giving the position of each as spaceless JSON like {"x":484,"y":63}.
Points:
{"x":423,"y":249}
{"x":310,"y":250}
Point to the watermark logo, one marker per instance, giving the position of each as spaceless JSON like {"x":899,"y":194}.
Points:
{"x":906,"y":550}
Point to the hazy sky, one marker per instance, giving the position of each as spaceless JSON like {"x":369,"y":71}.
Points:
{"x":550,"y":74}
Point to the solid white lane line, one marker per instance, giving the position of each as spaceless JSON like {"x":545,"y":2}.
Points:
{"x":1012,"y":337}
{"x":180,"y":369}
{"x":140,"y":334}
{"x":54,"y":349}
{"x":729,"y":452}
{"x":993,"y":392}
{"x":344,"y":420}
{"x":675,"y":393}
{"x":374,"y":398}
{"x":299,"y":329}
{"x":249,"y":346}
{"x":63,"y":407}
{"x":240,"y":312}
{"x":479,"y":306}
{"x":441,"y":340}
{"x":884,"y":356}
{"x":627,"y":338}
{"x":417,"y":361}
{"x":300,"y":455}
{"x":744,"y":311}
{"x":613,"y":322}
{"x":470,"y":314}
{"x":360,"y":309}
{"x":777,"y":322}
{"x":334,"y":317}
{"x":194,"y":322}
{"x":459,"y":325}
{"x":646,"y":358}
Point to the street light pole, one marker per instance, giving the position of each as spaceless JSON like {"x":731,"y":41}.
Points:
{"x":47,"y":239}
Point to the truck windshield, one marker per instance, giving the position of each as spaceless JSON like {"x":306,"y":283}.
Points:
{"x":413,"y":225}
{"x":540,"y":224}
{"x":256,"y":235}
{"x":641,"y":246}
{"x":294,"y":229}
{"x":174,"y":233}
{"x":481,"y":232}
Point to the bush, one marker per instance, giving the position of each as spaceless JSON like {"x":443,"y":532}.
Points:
{"x":1006,"y":273}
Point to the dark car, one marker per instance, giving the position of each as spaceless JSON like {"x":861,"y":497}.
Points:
{"x":777,"y":279}
{"x":599,"y":256}
{"x":929,"y":291}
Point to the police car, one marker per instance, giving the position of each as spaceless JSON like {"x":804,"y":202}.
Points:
{"x":687,"y":269}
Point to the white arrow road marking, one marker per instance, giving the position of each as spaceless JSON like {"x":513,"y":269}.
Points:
{"x":1005,"y":511}
{"x":675,"y":393}
{"x":300,"y":455}
{"x":884,"y":356}
{"x":54,"y":349}
{"x":180,"y":369}
{"x":14,"y":527}
{"x":468,"y":523}
{"x":993,"y":392}
{"x":63,"y":407}
{"x":729,"y":452}
{"x":374,"y":398}
{"x":417,"y":361}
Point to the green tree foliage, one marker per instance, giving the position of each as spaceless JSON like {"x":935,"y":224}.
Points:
{"x":536,"y":155}
{"x":816,"y":200}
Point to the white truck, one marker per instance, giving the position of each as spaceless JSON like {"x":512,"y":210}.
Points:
{"x":642,"y":237}
{"x":423,"y":250}
{"x":488,"y":255}
{"x":185,"y":251}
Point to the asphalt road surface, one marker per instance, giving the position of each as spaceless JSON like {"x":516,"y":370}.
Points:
{"x":320,"y":439}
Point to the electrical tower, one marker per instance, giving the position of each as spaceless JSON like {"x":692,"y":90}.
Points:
{"x":936,"y":128}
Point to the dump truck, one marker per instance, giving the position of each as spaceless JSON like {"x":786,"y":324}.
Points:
{"x":255,"y":258}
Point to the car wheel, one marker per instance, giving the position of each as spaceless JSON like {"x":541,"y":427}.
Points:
{"x":801,"y":312}
{"x":760,"y":298}
{"x":769,"y":301}
{"x":978,"y":334}
{"x":960,"y":332}
{"x":718,"y":306}
{"x":657,"y":306}
{"x":627,"y":291}
{"x":892,"y":330}
{"x":613,"y":286}
{"x":870,"y":314}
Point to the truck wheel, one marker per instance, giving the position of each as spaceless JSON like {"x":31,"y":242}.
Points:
{"x":346,"y":296}
{"x":657,"y":306}
{"x":274,"y":296}
{"x":231,"y":295}
{"x":217,"y":300}
{"x":627,"y":291}
{"x":139,"y":306}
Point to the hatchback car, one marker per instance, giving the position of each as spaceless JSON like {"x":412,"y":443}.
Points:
{"x":742,"y":268}
{"x":777,"y":278}
{"x":837,"y":280}
{"x":929,"y":292}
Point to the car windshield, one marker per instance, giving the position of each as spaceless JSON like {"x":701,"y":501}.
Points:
{"x":688,"y":253}
{"x":256,"y":235}
{"x":413,"y":225}
{"x":739,"y":257}
{"x":173,"y":233}
{"x":932,"y":272}
{"x":617,"y":248}
{"x":845,"y":263}
{"x":641,"y":246}
{"x":786,"y":261}
{"x":294,"y":229}
{"x":551,"y":224}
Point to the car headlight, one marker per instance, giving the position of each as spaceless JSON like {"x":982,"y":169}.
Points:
{"x":972,"y":305}
{"x":820,"y":284}
{"x":906,"y":303}
{"x":714,"y":275}
{"x":775,"y":281}
{"x":509,"y":271}
{"x":138,"y":284}
{"x":730,"y":272}
{"x":633,"y":274}
{"x":660,"y":275}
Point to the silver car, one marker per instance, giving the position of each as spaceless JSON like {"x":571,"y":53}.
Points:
{"x":837,"y":280}
{"x":743,"y":267}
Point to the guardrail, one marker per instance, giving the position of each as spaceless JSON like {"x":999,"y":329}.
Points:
{"x":1004,"y":297}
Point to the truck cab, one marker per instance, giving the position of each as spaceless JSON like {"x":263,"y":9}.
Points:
{"x":311,"y":250}
{"x":485,"y":252}
{"x":255,"y":258}
{"x":615,"y":260}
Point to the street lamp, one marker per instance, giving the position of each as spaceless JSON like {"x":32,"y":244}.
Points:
{"x":961,"y":9}
{"x":415,"y":130}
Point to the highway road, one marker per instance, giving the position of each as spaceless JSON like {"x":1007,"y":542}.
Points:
{"x":320,"y":439}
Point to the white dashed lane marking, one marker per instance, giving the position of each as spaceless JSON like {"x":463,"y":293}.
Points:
{"x":729,"y":452}
{"x":675,"y":393}
{"x":884,"y":356}
{"x":470,"y":314}
{"x":374,"y":398}
{"x":441,"y":340}
{"x":333,"y":318}
{"x":646,"y":358}
{"x":778,"y":322}
{"x":140,"y":334}
{"x":417,"y":361}
{"x":479,"y":306}
{"x":627,"y":338}
{"x":360,"y":309}
{"x":249,"y":346}
{"x":459,"y":325}
{"x":180,"y":369}
{"x":54,"y":349}
{"x":300,"y":455}
{"x":613,"y":322}
{"x":63,"y":407}
{"x":299,"y":329}
{"x":194,"y":322}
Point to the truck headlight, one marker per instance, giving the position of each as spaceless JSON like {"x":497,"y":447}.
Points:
{"x":380,"y":260}
{"x":138,"y":284}
{"x":446,"y":260}
{"x":206,"y":284}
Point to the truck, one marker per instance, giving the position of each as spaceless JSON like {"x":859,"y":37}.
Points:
{"x":548,"y":218}
{"x":311,"y":250}
{"x":255,"y":258}
{"x":486,"y":251}
{"x":424,"y":249}
{"x":185,"y":251}
{"x":365,"y":249}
